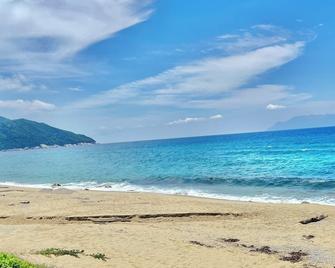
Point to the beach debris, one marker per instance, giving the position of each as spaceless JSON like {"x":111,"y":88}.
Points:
{"x":308,"y":237}
{"x":25,"y":202}
{"x":305,"y":202}
{"x":102,"y":219}
{"x":56,"y":185}
{"x":294,"y":256}
{"x":230,"y":240}
{"x":99,"y":256}
{"x":235,"y":242}
{"x":314,"y":219}
{"x":60,"y":252}
{"x":194,"y":242}
{"x":247,"y":246}
{"x":264,"y":249}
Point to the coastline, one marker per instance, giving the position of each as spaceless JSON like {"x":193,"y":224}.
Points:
{"x":128,"y":188}
{"x":156,"y":230}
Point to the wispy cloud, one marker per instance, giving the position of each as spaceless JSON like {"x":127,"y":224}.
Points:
{"x":26,"y":105}
{"x":37,"y":34}
{"x":188,"y":120}
{"x":260,"y":36}
{"x":18,"y":83}
{"x":198,"y":81}
{"x":258,"y":96}
{"x":216,"y":116}
{"x":75,"y":89}
{"x":266,"y":27}
{"x":275,"y":107}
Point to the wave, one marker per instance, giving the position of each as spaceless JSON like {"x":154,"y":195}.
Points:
{"x":126,"y":187}
{"x":308,"y":183}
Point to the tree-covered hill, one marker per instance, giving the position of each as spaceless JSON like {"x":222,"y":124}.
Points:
{"x":22,"y":133}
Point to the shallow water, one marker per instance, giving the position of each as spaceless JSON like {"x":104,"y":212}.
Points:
{"x":285,"y":166}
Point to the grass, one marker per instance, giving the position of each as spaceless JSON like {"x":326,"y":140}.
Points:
{"x":60,"y":252}
{"x":11,"y":261}
{"x":70,"y":252}
{"x":99,"y":256}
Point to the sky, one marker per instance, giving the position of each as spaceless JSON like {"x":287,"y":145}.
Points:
{"x":123,"y":70}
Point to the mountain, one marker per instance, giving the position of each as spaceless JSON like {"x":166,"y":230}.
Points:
{"x":22,"y":133}
{"x":307,"y":121}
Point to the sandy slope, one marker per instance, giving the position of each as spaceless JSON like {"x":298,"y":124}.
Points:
{"x":151,"y":230}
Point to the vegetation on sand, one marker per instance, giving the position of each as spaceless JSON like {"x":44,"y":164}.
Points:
{"x":11,"y":261}
{"x":99,"y":256}
{"x":60,"y":252}
{"x":70,"y":252}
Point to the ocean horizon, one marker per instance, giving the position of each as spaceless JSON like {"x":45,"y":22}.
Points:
{"x":290,"y":166}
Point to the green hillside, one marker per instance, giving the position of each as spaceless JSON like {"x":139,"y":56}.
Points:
{"x":22,"y":133}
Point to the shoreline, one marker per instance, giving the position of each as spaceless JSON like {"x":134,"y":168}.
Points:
{"x":148,"y":229}
{"x":128,"y":188}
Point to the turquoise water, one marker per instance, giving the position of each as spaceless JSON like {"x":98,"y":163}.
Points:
{"x":285,"y":166}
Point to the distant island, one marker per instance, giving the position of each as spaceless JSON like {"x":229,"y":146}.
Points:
{"x":23,"y":133}
{"x":307,"y":121}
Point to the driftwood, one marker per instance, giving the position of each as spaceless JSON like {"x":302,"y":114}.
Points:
{"x":314,"y":219}
{"x":200,"y":244}
{"x":264,"y":249}
{"x":308,"y":237}
{"x":295,"y":256}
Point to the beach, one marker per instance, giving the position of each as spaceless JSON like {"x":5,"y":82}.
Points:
{"x":154,"y":230}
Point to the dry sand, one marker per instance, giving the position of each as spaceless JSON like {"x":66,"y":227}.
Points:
{"x":153,"y":230}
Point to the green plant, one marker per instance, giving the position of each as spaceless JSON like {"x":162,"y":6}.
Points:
{"x":60,"y":252}
{"x":99,"y":256}
{"x":11,"y":261}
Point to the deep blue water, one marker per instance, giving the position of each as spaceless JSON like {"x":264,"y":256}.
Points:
{"x":285,"y":166}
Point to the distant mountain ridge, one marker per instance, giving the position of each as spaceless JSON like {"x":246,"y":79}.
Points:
{"x":307,"y":121}
{"x":23,"y":133}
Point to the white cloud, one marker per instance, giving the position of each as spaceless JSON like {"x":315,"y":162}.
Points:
{"x":186,"y":120}
{"x":75,"y":89}
{"x":34,"y":105}
{"x":216,"y":116}
{"x":266,"y":27}
{"x":221,"y":74}
{"x":18,"y":83}
{"x":195,"y":119}
{"x":49,"y":31}
{"x":228,"y":36}
{"x":258,"y":96}
{"x":275,"y":107}
{"x":257,"y":36}
{"x":198,"y":80}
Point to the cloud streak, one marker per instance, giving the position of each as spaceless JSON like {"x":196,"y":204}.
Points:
{"x":188,"y":120}
{"x":198,"y":81}
{"x":26,"y":105}
{"x":47,"y":32}
{"x":272,"y":107}
{"x":18,"y":83}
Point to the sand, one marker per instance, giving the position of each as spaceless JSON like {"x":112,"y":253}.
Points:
{"x":154,"y":230}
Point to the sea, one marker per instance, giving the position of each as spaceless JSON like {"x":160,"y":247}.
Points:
{"x":291,"y":166}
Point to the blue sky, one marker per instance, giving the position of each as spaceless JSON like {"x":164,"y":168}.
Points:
{"x":131,"y":70}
